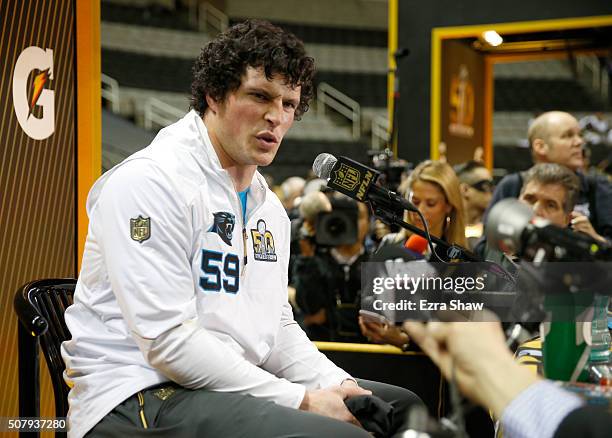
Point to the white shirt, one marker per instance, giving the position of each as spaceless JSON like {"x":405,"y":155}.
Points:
{"x":163,"y":294}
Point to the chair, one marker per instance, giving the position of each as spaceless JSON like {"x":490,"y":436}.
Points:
{"x":40,"y":307}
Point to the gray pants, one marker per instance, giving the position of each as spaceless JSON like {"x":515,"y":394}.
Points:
{"x":169,"y":410}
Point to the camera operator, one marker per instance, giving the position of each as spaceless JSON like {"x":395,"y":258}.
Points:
{"x":327,"y":273}
{"x":551,"y":190}
{"x":311,"y":205}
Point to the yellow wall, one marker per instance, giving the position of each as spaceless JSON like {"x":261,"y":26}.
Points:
{"x":445,"y":33}
{"x":44,"y":182}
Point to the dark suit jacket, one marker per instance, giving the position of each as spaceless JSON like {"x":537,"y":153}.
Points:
{"x":586,"y":422}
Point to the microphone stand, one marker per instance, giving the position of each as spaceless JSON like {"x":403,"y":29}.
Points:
{"x":398,"y":55}
{"x":391,"y":217}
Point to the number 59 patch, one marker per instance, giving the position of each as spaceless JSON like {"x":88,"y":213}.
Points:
{"x":221,"y":272}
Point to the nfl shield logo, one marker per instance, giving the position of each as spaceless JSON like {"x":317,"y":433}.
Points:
{"x":140,"y":228}
{"x":347,"y":177}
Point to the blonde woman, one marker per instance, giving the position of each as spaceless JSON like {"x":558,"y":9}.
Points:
{"x":433,"y":187}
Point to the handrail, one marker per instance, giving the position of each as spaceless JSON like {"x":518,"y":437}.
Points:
{"x":596,"y":77}
{"x":340,"y":102}
{"x":111,"y":92}
{"x":160,"y":113}
{"x":380,"y":132}
{"x":193,"y":13}
{"x":210,"y":17}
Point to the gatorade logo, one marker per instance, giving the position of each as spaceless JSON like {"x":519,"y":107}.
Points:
{"x":41,"y":61}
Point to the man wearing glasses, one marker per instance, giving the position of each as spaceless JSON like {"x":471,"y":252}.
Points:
{"x":476,"y":189}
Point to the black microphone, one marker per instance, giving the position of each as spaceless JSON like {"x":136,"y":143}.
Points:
{"x":512,"y":227}
{"x":357,"y":181}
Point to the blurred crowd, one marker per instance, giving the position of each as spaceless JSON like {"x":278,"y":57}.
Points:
{"x":596,"y":129}
{"x":333,"y":234}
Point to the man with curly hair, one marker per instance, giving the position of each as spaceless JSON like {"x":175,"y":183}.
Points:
{"x":181,"y":324}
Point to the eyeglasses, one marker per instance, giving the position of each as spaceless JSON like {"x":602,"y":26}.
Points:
{"x":484,"y":185}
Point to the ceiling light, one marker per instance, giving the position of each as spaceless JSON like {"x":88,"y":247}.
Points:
{"x":492,"y":38}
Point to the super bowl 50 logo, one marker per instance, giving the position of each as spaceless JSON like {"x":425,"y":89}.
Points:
{"x":41,"y":62}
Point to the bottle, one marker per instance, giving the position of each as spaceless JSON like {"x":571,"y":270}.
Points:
{"x":599,"y":358}
{"x":600,"y":348}
{"x":566,"y":336}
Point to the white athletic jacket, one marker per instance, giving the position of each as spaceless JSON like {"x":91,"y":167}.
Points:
{"x":174,"y":286}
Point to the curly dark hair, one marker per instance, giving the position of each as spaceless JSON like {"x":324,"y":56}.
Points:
{"x":254,"y":43}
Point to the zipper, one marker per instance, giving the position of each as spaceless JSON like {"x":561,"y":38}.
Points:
{"x":141,"y":411}
{"x":245,"y":237}
{"x":341,"y":292}
{"x":347,"y":273}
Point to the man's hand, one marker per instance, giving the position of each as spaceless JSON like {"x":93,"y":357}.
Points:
{"x":330,"y":401}
{"x":381,"y":229}
{"x":351,"y":388}
{"x":476,"y":356}
{"x":582,"y":224}
{"x":382,"y":333}
{"x":307,"y":246}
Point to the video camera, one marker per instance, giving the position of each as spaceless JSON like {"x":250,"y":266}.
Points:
{"x":338,"y":227}
{"x":391,"y":169}
{"x":326,"y":228}
{"x":513,"y":228}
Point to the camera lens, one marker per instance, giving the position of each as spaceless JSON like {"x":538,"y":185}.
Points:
{"x":336,"y":226}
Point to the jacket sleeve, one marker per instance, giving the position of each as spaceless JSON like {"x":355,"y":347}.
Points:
{"x":294,"y":356}
{"x":155,"y":288}
{"x":586,"y":422}
{"x":603,"y":201}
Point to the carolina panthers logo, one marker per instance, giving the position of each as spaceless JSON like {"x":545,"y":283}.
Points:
{"x":224,"y":226}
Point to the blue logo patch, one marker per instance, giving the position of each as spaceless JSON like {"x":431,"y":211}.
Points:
{"x":224,"y":226}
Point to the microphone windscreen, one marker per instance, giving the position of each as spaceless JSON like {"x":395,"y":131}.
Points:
{"x":506,"y":223}
{"x":393,"y":252}
{"x":416,"y":243}
{"x":323,"y":165}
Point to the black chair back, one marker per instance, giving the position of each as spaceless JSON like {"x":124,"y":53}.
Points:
{"x":40,"y":307}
